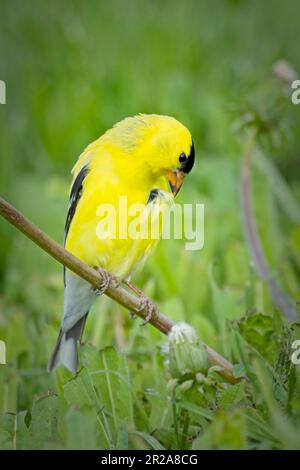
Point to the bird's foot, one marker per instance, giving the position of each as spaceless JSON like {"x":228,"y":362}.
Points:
{"x":145,"y":303}
{"x":149,"y":306}
{"x":107,"y":279}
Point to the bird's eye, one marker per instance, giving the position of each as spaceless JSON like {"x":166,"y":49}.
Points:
{"x":182,"y":157}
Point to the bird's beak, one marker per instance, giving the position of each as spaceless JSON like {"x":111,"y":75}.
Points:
{"x":175,"y":179}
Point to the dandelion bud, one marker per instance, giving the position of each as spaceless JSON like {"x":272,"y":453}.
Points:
{"x":187,"y":354}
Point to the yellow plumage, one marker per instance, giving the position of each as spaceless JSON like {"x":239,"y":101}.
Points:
{"x":129,"y":160}
{"x":137,"y":156}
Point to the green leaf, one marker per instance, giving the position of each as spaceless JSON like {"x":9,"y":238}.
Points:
{"x":232,"y":395}
{"x":238,"y":371}
{"x":81,"y":429}
{"x":258,"y":330}
{"x":43,"y":426}
{"x":150,"y":440}
{"x":284,"y":428}
{"x":122,"y":439}
{"x":109,"y":375}
{"x":7,"y":431}
{"x":227,"y":431}
{"x":9,"y":380}
{"x":80,"y":392}
{"x":198,"y":410}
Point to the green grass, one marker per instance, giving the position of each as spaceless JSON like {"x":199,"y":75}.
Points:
{"x":71,"y":71}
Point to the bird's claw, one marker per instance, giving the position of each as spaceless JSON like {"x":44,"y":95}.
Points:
{"x":107,"y":279}
{"x":147,"y":304}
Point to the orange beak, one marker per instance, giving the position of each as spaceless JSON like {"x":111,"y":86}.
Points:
{"x":175,"y":179}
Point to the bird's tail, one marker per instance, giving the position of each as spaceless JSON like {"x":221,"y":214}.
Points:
{"x":65,"y":351}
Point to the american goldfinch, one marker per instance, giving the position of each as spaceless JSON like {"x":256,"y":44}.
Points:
{"x":143,"y":158}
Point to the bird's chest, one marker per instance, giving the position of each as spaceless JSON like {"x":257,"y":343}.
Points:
{"x":118,"y":223}
{"x":130,"y":231}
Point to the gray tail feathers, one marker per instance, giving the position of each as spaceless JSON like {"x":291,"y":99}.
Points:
{"x":65,"y":351}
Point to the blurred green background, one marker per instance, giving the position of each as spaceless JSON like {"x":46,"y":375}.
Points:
{"x":72,"y":69}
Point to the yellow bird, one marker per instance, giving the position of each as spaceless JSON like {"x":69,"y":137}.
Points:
{"x":142,"y":160}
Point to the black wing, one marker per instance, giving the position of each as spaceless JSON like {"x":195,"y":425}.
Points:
{"x":75,"y":195}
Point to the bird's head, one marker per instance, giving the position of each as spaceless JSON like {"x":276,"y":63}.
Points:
{"x":161,"y":144}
